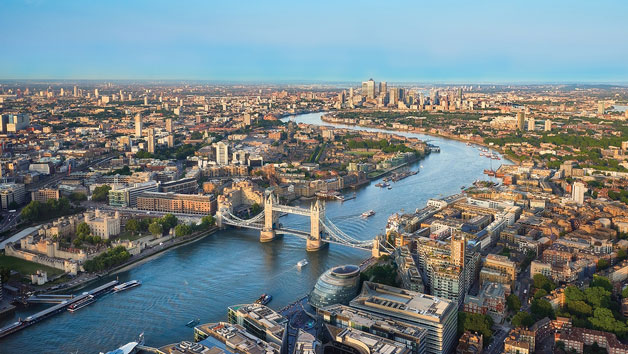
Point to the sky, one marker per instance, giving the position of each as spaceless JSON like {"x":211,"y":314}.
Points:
{"x":442,"y":41}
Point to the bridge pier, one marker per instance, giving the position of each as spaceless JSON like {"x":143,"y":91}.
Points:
{"x":267,"y":235}
{"x":313,"y":245}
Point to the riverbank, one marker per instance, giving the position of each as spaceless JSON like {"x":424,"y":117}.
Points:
{"x":327,"y":118}
{"x":134,"y":260}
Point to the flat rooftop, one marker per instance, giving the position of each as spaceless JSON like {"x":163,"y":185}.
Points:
{"x":405,"y":302}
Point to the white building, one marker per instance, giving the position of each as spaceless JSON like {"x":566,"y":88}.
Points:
{"x":103,"y":224}
{"x":577,"y":192}
{"x":222,"y":153}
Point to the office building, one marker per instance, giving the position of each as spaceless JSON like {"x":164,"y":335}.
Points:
{"x":96,"y":93}
{"x":402,"y":332}
{"x":531,"y":124}
{"x":177,"y":203}
{"x":42,"y":195}
{"x":222,"y":153}
{"x":232,"y":336}
{"x":182,"y":186}
{"x":520,"y":120}
{"x":349,"y":341}
{"x":438,"y":316}
{"x":138,"y":125}
{"x":577,"y":192}
{"x":337,"y":285}
{"x":151,"y":140}
{"x":383,"y":88}
{"x":12,"y":123}
{"x":75,"y":91}
{"x":368,"y":89}
{"x":121,"y":196}
{"x":11,"y":194}
{"x":259,"y":320}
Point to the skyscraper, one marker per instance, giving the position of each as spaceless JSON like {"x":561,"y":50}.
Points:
{"x":458,"y":244}
{"x":145,"y":100}
{"x":368,"y":89}
{"x":577,"y":192}
{"x":138,"y":125}
{"x":531,"y":124}
{"x":548,"y":125}
{"x":169,"y":125}
{"x":393,"y":96}
{"x":170,"y":140}
{"x":222,"y":153}
{"x":75,"y":91}
{"x":600,"y":108}
{"x":96,"y":93}
{"x":520,"y":120}
{"x":383,"y":88}
{"x":151,"y":140}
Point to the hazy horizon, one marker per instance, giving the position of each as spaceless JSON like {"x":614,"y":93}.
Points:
{"x":493,"y":42}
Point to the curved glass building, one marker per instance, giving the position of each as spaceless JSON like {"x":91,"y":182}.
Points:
{"x":338,"y":285}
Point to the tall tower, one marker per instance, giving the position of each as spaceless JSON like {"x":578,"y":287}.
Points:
{"x":270,"y":218}
{"x":75,"y":91}
{"x":520,"y":120}
{"x":151,"y":140}
{"x":548,"y":125}
{"x":169,"y":125}
{"x":577,"y":192}
{"x":138,"y":125}
{"x":531,"y":124}
{"x":458,"y":245}
{"x":383,"y":88}
{"x":317,"y":212}
{"x":96,"y":93}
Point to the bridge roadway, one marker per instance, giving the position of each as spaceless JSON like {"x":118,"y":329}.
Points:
{"x":291,"y":210}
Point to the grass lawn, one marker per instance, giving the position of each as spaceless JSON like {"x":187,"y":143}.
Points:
{"x":26,"y":268}
{"x":362,"y":153}
{"x":127,"y":235}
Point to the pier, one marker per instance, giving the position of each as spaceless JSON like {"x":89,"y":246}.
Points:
{"x":55,"y":309}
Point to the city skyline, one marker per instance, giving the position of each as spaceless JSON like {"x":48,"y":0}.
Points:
{"x":285,"y":42}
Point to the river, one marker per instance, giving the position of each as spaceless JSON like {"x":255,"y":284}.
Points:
{"x":201,"y":279}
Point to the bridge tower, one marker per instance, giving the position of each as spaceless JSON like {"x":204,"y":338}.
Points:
{"x":317,"y":213}
{"x":270,"y":218}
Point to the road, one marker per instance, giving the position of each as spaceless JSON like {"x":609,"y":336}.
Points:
{"x":500,"y":332}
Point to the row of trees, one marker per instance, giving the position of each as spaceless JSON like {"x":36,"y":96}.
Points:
{"x":106,"y":260}
{"x":38,"y":211}
{"x":159,"y":226}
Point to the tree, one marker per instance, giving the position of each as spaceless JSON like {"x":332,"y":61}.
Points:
{"x":101,"y":194}
{"x":602,"y":264}
{"x":522,"y":319}
{"x":540,"y":293}
{"x":78,"y":197}
{"x":83,"y":229}
{"x":182,"y":230}
{"x":169,"y":221}
{"x":475,"y":322}
{"x":207,"y":221}
{"x":542,"y":282}
{"x":621,"y":255}
{"x":132,"y":226}
{"x":155,"y":228}
{"x":77,"y":242}
{"x":579,"y":308}
{"x":604,"y":320}
{"x":624,"y":292}
{"x":255,"y":209}
{"x":601,"y":282}
{"x":572,"y":293}
{"x":542,"y":308}
{"x":5,"y":274}
{"x":513,"y":303}
{"x":598,"y":296}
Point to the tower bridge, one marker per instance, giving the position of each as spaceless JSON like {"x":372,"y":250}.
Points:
{"x":322,"y":231}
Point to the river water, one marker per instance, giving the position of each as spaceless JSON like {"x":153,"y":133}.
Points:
{"x":201,"y":279}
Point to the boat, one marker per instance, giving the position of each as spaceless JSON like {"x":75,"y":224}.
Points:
{"x":126,"y":286}
{"x":264,"y":299}
{"x":368,"y":214}
{"x":302,"y":263}
{"x":128,"y":348}
{"x":193,"y":323}
{"x":389,"y":188}
{"x":89,"y":299}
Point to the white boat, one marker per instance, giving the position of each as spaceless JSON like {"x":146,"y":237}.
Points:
{"x":367,"y":214}
{"x":302,"y":263}
{"x":128,"y":348}
{"x":126,"y":286}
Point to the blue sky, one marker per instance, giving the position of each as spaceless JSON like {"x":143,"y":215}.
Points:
{"x":427,"y":41}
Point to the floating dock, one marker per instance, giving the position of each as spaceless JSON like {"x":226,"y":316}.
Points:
{"x":55,"y":309}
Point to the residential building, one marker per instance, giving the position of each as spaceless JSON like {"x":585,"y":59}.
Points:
{"x":177,"y":203}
